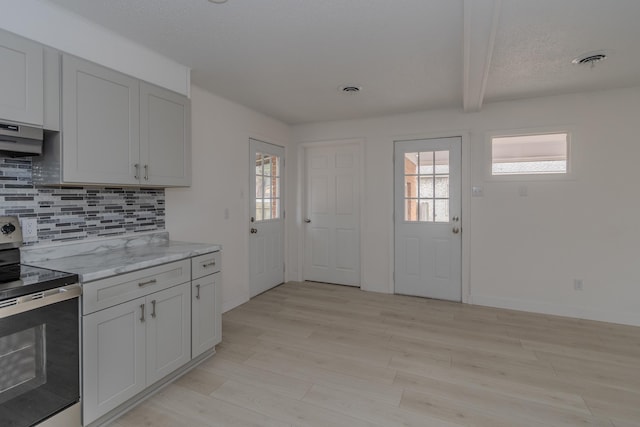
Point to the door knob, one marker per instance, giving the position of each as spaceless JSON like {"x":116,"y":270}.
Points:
{"x":455,"y":230}
{"x":254,"y":231}
{"x":307,"y":220}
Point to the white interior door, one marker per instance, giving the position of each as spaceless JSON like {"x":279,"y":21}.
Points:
{"x":428,"y":246}
{"x":332,"y":221}
{"x":266,"y":225}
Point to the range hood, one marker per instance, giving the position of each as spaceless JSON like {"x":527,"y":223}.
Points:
{"x":18,"y":140}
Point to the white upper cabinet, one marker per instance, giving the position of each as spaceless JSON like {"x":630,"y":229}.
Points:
{"x":165,"y":142}
{"x":116,"y":130}
{"x":100,"y":124}
{"x":21,"y":80}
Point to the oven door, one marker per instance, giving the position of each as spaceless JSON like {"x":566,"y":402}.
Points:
{"x":39,"y":356}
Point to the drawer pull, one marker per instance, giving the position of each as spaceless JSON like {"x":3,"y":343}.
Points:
{"x":142,"y":312}
{"x":209,"y":264}
{"x":153,"y":308}
{"x":148,"y":282}
{"x":197,"y":291}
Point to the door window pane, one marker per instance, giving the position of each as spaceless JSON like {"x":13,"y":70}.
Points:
{"x":426,"y":186}
{"x":411,"y":210}
{"x":267,"y":187}
{"x":442,"y":186}
{"x":441,"y":210}
{"x":429,"y":171}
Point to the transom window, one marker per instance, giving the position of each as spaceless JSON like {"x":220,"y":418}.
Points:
{"x":426,"y":186}
{"x":267,"y":187}
{"x":535,"y":154}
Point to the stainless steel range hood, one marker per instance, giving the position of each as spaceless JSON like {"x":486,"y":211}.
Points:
{"x":18,"y":140}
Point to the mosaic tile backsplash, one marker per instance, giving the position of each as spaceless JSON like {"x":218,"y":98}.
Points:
{"x":76,"y":213}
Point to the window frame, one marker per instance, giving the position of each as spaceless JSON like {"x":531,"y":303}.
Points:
{"x":568,"y":175}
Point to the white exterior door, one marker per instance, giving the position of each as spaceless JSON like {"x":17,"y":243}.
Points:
{"x":266,"y":225}
{"x":428,"y":246}
{"x":332,"y":222}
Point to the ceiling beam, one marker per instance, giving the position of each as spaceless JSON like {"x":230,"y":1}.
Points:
{"x":481,"y":19}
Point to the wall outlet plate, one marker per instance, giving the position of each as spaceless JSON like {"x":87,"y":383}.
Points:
{"x":29,"y":229}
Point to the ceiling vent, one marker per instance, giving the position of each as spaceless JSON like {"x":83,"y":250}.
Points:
{"x":350,"y":89}
{"x":590,"y":58}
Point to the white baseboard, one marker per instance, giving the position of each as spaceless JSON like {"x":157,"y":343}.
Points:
{"x":625,"y":318}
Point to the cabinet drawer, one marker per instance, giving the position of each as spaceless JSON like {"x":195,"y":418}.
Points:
{"x":108,"y":292}
{"x":206,"y":264}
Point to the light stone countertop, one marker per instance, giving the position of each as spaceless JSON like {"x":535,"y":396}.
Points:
{"x":100,"y":259}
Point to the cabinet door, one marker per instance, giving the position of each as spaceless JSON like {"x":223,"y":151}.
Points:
{"x":113,"y":356}
{"x":100,"y":124}
{"x":168,"y":331}
{"x":165,"y":141}
{"x":206,"y":323}
{"x":21,"y":80}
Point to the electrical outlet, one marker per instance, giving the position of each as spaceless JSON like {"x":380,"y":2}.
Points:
{"x":29,"y":229}
{"x":577,"y":284}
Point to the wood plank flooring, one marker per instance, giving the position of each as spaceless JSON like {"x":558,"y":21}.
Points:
{"x":311,"y":354}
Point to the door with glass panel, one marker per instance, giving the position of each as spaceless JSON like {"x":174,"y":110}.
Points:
{"x":266,"y":224}
{"x":428,"y":246}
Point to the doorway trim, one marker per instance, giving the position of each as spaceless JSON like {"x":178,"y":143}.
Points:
{"x":465,"y":200}
{"x":301,"y":197}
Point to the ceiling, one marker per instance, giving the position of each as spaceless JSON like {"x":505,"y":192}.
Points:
{"x":287,"y":58}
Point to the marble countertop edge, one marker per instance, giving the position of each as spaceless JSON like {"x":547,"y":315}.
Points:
{"x":98,"y":261}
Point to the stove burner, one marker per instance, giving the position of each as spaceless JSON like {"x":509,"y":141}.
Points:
{"x":8,"y":228}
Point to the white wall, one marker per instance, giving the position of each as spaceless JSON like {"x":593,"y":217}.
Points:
{"x":525,"y":252}
{"x":53,"y":26}
{"x":220,"y":142}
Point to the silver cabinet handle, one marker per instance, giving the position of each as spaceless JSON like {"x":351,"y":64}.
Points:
{"x":197,"y":291}
{"x":148,"y":282}
{"x":209,"y":264}
{"x":142,"y":312}
{"x":153,"y":308}
{"x":307,"y":220}
{"x":137,"y":174}
{"x":146,"y":172}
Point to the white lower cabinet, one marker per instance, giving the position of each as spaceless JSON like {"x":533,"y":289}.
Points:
{"x":130,"y":346}
{"x":139,"y":327}
{"x":168,"y":331}
{"x":113,"y":357}
{"x":206,"y":306}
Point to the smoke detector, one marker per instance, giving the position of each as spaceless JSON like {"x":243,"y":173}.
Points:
{"x":350,"y":89}
{"x":591,"y":58}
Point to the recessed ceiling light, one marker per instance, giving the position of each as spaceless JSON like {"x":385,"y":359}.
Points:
{"x":350,"y":89}
{"x":591,"y":58}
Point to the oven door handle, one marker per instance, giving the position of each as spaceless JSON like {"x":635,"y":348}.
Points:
{"x":21,"y":304}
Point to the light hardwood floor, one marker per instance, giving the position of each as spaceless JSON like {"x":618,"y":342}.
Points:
{"x":310,"y":354}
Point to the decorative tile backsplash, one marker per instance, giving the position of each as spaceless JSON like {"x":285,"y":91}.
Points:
{"x":76,"y":213}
